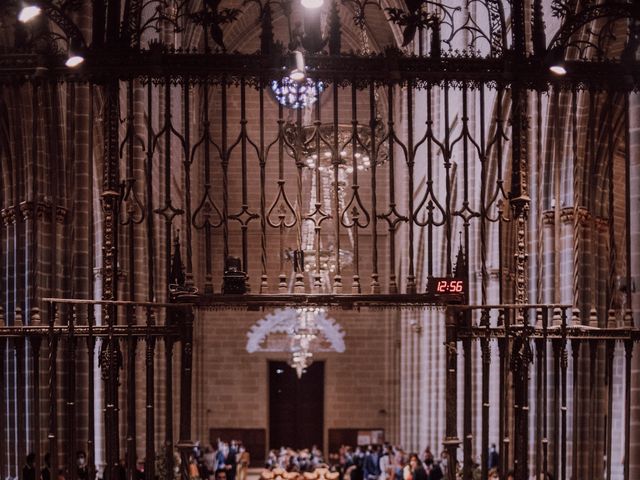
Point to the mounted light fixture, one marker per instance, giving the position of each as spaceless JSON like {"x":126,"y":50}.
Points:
{"x":312,"y":3}
{"x":28,"y":13}
{"x":296,"y":94}
{"x":296,"y":66}
{"x":74,"y":60}
{"x":555,"y":61}
{"x":75,"y":57}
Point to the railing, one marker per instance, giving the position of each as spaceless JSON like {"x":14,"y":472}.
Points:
{"x":539,"y":335}
{"x":71,"y":365}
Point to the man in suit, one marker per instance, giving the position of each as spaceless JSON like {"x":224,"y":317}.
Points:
{"x":371,"y":467}
{"x":231,"y":462}
{"x":494,"y":457}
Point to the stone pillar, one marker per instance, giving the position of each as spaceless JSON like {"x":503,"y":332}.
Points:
{"x":634,"y":226}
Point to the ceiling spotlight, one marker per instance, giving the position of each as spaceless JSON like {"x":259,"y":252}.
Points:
{"x":28,"y":13}
{"x":296,"y":66}
{"x":74,"y":60}
{"x":75,"y":56}
{"x":312,"y":3}
{"x":555,"y":61}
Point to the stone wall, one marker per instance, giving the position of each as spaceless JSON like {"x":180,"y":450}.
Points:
{"x":232,"y":387}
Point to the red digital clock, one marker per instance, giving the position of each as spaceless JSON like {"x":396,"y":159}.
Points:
{"x":446,"y":285}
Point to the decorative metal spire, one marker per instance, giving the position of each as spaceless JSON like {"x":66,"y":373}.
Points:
{"x":266,"y":36}
{"x":335,"y":42}
{"x":538,"y":37}
{"x":176,"y":274}
{"x":177,"y":279}
{"x":461,"y":270}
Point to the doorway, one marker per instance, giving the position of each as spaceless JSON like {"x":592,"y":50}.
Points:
{"x":296,"y":406}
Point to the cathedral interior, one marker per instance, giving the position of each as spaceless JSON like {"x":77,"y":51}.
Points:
{"x":308,"y":222}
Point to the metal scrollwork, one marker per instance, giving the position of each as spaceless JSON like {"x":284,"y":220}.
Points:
{"x":575,"y":20}
{"x":110,"y":360}
{"x":212,"y":17}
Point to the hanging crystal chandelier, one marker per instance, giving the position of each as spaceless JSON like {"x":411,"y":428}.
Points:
{"x":306,"y":329}
{"x":301,"y":333}
{"x":300,"y":360}
{"x":304,"y":332}
{"x":331,"y":156}
{"x":355,"y":145}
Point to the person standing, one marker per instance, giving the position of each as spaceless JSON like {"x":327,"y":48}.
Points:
{"x":433,"y":470}
{"x":221,"y":455}
{"x":414,"y":469}
{"x":385,"y":463}
{"x":243,"y":462}
{"x":209,"y":462}
{"x":494,"y":457}
{"x":82,"y":471}
{"x":231,"y":462}
{"x":45,"y":473}
{"x":221,"y":474}
{"x":371,"y":469}
{"x":358,"y":462}
{"x":427,"y":456}
{"x":139,"y":473}
{"x":29,"y":469}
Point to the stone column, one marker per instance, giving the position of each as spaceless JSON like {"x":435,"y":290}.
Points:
{"x":634,"y":226}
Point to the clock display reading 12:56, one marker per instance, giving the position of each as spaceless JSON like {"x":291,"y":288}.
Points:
{"x":444,"y":285}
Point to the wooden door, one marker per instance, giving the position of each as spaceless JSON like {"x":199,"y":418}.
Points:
{"x":296,"y":406}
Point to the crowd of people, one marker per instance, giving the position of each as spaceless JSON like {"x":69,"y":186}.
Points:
{"x":290,"y":460}
{"x":375,"y":462}
{"x":390,"y":463}
{"x":230,"y":461}
{"x":29,"y":469}
{"x":224,"y":461}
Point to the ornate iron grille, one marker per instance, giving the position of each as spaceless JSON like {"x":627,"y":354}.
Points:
{"x":439,"y":98}
{"x":347,"y":188}
{"x":63,"y":350}
{"x":540,"y":343}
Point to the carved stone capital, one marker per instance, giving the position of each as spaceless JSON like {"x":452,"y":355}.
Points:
{"x":8,"y":216}
{"x":566,"y":215}
{"x":43,"y":209}
{"x":27,"y":210}
{"x":548,"y":217}
{"x":61,"y":214}
{"x":583,"y":217}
